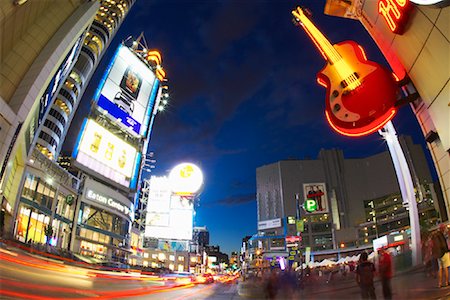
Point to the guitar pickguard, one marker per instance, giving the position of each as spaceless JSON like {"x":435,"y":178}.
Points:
{"x":337,"y":92}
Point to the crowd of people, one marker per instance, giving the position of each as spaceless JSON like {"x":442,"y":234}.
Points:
{"x":287,"y":284}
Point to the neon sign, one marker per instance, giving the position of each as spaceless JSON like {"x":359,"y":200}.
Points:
{"x":395,"y":13}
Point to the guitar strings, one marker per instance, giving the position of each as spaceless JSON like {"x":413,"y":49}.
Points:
{"x":332,"y":54}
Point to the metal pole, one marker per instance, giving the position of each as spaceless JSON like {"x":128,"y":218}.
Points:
{"x":406,"y":188}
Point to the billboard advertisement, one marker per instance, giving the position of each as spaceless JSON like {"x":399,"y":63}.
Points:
{"x":103,"y":152}
{"x":169,"y":216}
{"x":316,"y":192}
{"x":186,"y":179}
{"x":125,"y":93}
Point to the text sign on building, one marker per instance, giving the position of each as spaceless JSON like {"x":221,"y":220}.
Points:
{"x":127,"y":91}
{"x":109,"y":202}
{"x":395,"y":13}
{"x":267,"y":224}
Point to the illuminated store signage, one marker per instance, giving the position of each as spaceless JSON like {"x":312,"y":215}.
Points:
{"x":395,"y":13}
{"x":105,"y":153}
{"x":186,"y":179}
{"x":109,"y":202}
{"x":125,"y":94}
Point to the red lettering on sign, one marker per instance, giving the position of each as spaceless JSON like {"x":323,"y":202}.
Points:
{"x":395,"y":13}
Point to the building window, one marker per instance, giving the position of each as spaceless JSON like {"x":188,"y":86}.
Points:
{"x":181,"y":258}
{"x":171,"y":257}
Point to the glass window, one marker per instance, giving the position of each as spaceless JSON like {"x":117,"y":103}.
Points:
{"x":29,"y":187}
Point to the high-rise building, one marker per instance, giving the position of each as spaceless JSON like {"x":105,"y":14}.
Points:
{"x":109,"y":149}
{"x":106,"y":22}
{"x":40,"y":41}
{"x":347,"y":194}
{"x":51,"y":49}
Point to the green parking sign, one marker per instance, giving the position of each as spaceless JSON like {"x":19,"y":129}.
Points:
{"x":310,"y":205}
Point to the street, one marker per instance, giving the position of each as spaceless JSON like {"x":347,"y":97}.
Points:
{"x":27,"y":276}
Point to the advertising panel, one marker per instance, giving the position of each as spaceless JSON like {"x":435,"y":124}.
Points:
{"x":268,"y":224}
{"x":103,"y":152}
{"x":168,"y":216}
{"x":318,"y":193}
{"x":186,"y":179}
{"x":126,"y":91}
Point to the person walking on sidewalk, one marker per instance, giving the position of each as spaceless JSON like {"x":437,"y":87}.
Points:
{"x":364,"y":277}
{"x":440,"y":252}
{"x":385,"y":269}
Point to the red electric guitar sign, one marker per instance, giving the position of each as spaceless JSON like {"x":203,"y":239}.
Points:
{"x":361,"y":94}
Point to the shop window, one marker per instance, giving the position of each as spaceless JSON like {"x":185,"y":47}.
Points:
{"x":29,"y":187}
{"x":22,"y":223}
{"x":180,"y":268}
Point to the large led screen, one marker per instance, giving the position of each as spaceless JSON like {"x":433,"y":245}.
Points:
{"x":103,"y":152}
{"x":168,"y":215}
{"x":126,"y":92}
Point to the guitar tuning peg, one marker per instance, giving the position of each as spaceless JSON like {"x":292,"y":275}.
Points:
{"x":307,"y":12}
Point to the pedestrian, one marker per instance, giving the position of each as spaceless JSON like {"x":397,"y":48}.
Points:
{"x":2,"y":221}
{"x":385,"y":269}
{"x":272,"y":285}
{"x":365,"y":272}
{"x":440,"y":252}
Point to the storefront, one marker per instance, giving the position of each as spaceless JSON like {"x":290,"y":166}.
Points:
{"x":103,"y":223}
{"x":46,"y":204}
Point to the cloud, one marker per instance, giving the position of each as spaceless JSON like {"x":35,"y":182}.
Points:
{"x":234,"y":200}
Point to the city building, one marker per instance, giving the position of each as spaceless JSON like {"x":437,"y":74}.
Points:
{"x":40,"y":41}
{"x":169,"y":260}
{"x":108,"y":153}
{"x":201,"y":236}
{"x":355,"y":201}
{"x":45,"y":67}
{"x":414,"y":38}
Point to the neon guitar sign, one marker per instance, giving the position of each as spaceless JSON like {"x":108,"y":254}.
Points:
{"x":361,"y":94}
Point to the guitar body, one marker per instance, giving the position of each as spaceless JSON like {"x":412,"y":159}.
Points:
{"x":362,"y":109}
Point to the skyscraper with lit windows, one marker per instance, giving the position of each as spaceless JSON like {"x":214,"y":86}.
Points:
{"x":49,"y":51}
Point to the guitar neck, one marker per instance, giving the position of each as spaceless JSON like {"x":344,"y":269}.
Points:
{"x":325,"y":47}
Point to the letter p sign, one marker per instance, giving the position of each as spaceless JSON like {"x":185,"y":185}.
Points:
{"x":310,"y":205}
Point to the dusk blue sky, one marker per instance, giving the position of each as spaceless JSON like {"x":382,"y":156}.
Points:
{"x":243,"y":94}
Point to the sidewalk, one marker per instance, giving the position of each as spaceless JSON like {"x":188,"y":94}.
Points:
{"x":408,"y":284}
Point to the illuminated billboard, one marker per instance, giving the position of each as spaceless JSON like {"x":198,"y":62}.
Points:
{"x":125,"y":93}
{"x":316,"y":192}
{"x":169,"y":216}
{"x":103,"y":152}
{"x":186,"y":179}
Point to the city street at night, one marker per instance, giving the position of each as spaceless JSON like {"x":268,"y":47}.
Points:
{"x":224,"y":149}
